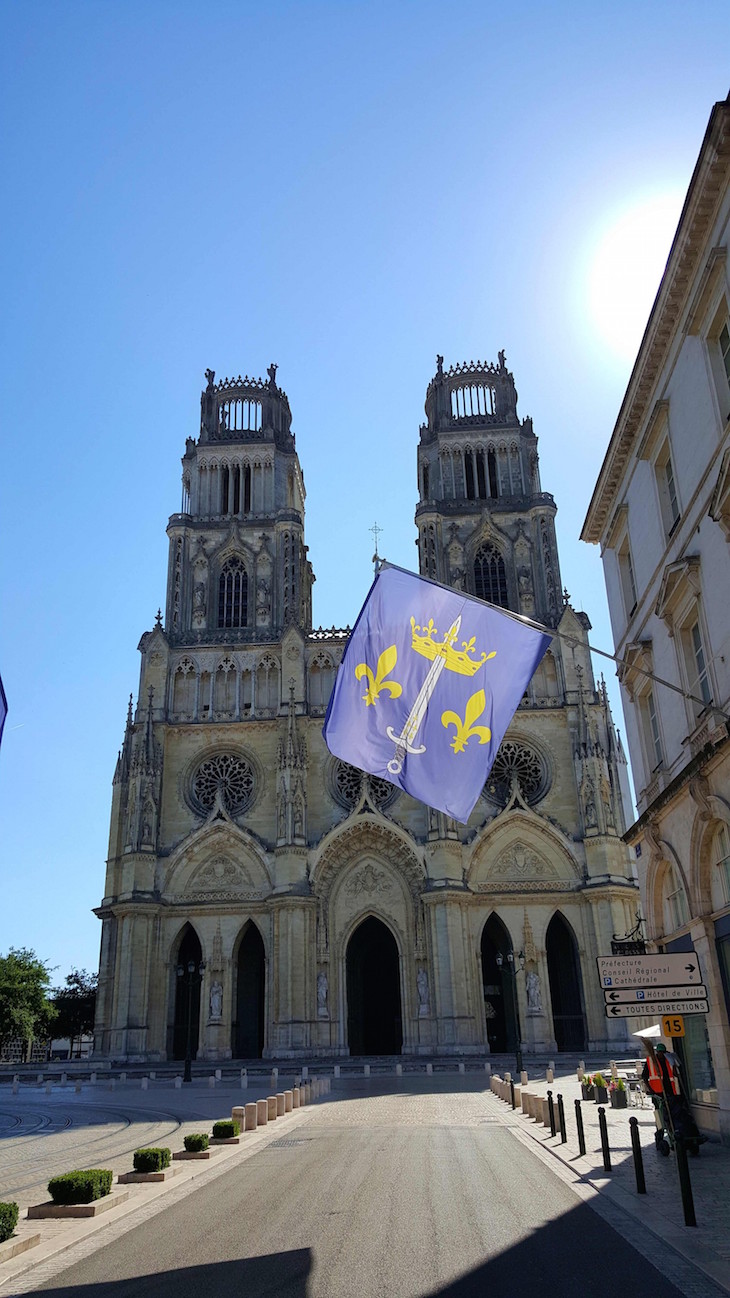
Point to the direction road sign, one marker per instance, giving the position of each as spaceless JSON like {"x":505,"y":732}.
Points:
{"x":649,"y":970}
{"x":633,"y":1011}
{"x":649,"y":994}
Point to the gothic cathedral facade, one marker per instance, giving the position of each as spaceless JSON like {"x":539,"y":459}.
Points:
{"x":264,"y":899}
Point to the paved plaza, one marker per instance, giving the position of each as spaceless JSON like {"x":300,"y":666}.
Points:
{"x":41,"y":1134}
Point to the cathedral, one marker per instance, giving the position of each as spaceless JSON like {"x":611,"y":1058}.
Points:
{"x":265,"y":899}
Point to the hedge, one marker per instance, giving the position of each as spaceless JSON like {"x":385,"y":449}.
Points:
{"x":8,"y":1220}
{"x":151,"y":1160}
{"x":226,"y":1128}
{"x":197,"y":1142}
{"x":81,"y":1187}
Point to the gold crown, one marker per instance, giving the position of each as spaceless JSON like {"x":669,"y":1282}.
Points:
{"x":457,"y":660}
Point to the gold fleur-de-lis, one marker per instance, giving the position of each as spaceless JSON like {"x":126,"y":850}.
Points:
{"x":466,"y":729}
{"x":377,"y":682}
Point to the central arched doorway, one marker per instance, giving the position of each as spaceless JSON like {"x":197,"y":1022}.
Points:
{"x":374,"y":1022}
{"x":500,"y":993}
{"x":187,"y":995}
{"x":566,"y":985}
{"x":247,"y":1029}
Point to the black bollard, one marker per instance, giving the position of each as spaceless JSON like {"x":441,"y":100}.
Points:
{"x":512,"y":1093}
{"x":579,"y":1125}
{"x":604,"y":1138}
{"x":561,"y":1120}
{"x":551,"y":1111}
{"x":685,"y":1185}
{"x":638,"y":1159}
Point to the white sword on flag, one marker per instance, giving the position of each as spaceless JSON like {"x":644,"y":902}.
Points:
{"x":404,"y":741}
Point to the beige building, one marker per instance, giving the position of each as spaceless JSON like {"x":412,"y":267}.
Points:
{"x":661,"y":514}
{"x":263,"y":898}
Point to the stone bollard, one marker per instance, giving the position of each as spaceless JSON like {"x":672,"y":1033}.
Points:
{"x":399,"y":1070}
{"x":579,"y":1073}
{"x":48,"y":1088}
{"x":218,"y":1074}
{"x":237,"y":1115}
{"x":262,"y":1112}
{"x":308,"y":1092}
{"x":145,"y":1083}
{"x":15,"y":1086}
{"x":518,"y":1093}
{"x":614,"y":1069}
{"x":288,"y":1101}
{"x":429,"y":1070}
{"x":295,"y":1097}
{"x":462,"y":1068}
{"x":63,"y":1079}
{"x":178,"y":1083}
{"x":122,"y":1077}
{"x":549,"y":1076}
{"x":77,"y":1088}
{"x":337,"y":1070}
{"x":92,"y":1079}
{"x":274,"y":1078}
{"x":153,"y":1076}
{"x":39,"y":1079}
{"x":271,"y":1108}
{"x":280,"y":1104}
{"x":244,"y":1079}
{"x":525,"y":1102}
{"x":508,"y":1077}
{"x":523,"y":1078}
{"x":211,"y":1082}
{"x":545,"y":1112}
{"x":249,"y":1117}
{"x":305,"y":1071}
{"x":488,"y":1068}
{"x":366,"y":1070}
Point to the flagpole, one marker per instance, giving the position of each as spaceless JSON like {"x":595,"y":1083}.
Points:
{"x":548,"y":630}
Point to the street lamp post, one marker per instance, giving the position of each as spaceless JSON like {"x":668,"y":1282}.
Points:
{"x":191,"y":974}
{"x":513,"y":996}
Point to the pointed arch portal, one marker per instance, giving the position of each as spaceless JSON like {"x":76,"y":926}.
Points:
{"x":374,"y":1020}
{"x":566,"y":985}
{"x":187,"y":996}
{"x":500,"y":1007}
{"x":247,"y":1029}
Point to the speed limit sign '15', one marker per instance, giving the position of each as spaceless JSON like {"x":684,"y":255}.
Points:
{"x":672,"y":1025}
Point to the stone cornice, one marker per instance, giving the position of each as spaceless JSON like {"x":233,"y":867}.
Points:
{"x":709,"y":181}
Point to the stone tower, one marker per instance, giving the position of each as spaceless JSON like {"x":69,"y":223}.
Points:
{"x":263,"y":898}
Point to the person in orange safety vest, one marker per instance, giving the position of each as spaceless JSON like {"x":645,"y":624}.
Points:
{"x":662,"y":1064}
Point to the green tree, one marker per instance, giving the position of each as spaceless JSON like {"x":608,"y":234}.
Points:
{"x":25,"y":1008}
{"x":74,"y":1005}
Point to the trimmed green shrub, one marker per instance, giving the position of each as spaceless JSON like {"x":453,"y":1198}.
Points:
{"x":81,"y":1187}
{"x":226,"y":1128}
{"x":8,"y":1220}
{"x":196,"y":1142}
{"x":151,"y":1160}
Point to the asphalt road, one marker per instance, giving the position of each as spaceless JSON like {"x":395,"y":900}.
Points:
{"x":401,"y":1195}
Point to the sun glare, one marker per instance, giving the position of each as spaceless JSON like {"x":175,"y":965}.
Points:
{"x":626,"y":268}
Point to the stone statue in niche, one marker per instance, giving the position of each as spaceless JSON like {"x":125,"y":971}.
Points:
{"x":423,"y":997}
{"x":534,"y":998}
{"x":216,"y":1002}
{"x":298,"y":819}
{"x":263,"y":597}
{"x":590,"y":804}
{"x":199,"y":597}
{"x":322,"y":993}
{"x":527,"y":599}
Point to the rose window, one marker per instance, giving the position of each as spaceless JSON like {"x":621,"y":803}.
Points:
{"x":231,"y":775}
{"x":347,"y":784}
{"x":520,"y":763}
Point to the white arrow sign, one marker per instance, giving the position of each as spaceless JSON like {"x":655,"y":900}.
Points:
{"x":651,"y":994}
{"x":649,"y":970}
{"x":657,"y":1007}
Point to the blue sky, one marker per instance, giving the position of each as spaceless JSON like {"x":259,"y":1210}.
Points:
{"x":342,"y":188}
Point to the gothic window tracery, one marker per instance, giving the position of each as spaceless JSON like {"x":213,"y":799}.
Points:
{"x":321,"y":678}
{"x":227,"y":773}
{"x":490,"y":577}
{"x":347,"y":786}
{"x":522,"y":763}
{"x":233,"y":594}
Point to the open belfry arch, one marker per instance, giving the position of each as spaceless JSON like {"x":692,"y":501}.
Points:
{"x":331,"y":913}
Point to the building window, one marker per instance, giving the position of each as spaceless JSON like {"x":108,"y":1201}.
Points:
{"x":723,"y":339}
{"x":233,"y":594}
{"x":628,"y":582}
{"x":652,"y":732}
{"x":698,"y":678}
{"x":490,"y":577}
{"x":668,"y":499}
{"x":675,"y":902}
{"x":721,"y":863}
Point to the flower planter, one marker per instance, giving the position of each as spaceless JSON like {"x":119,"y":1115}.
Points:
{"x":619,"y":1099}
{"x":587,"y":1091}
{"x":601,"y":1094}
